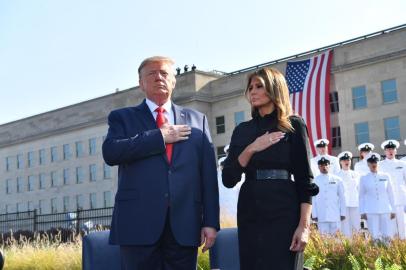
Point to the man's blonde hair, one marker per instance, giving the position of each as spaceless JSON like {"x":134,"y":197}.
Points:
{"x":154,"y":59}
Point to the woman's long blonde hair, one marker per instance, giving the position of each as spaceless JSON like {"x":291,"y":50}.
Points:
{"x":277,"y":90}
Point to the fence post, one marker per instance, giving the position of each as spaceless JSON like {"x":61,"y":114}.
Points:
{"x":35,"y":220}
{"x":77,"y":220}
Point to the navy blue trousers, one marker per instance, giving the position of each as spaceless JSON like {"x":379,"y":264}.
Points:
{"x":166,"y":254}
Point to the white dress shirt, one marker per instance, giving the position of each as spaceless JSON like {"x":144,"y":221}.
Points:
{"x":397,"y":171}
{"x":169,"y":115}
{"x":361,"y":167}
{"x":329,"y":204}
{"x":376,"y":194}
{"x":351,"y":187}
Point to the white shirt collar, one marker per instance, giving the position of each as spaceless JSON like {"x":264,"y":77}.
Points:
{"x":152,"y":106}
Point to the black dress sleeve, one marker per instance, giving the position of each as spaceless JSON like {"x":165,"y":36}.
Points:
{"x":300,"y":157}
{"x":232,"y":170}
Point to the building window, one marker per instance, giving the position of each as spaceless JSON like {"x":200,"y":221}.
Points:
{"x":334,"y":105}
{"x":20,"y":184}
{"x":20,"y":161}
{"x":8,"y":164}
{"x":31,"y":180}
{"x":30,"y":206}
{"x":79,"y":175}
{"x":92,"y":172}
{"x":92,"y":146}
{"x":42,"y":205}
{"x":41,"y":180}
{"x":79,"y":149}
{"x":66,"y":152}
{"x":8,"y":208}
{"x":220,"y":152}
{"x":392,"y":128}
{"x":389,"y":92}
{"x":54,"y":153}
{"x":79,"y":202}
{"x":54,"y":179}
{"x":30,"y":159}
{"x":20,"y":207}
{"x":359,"y":97}
{"x":92,"y":198}
{"x":239,"y":117}
{"x":54,"y":206}
{"x":107,"y":199}
{"x":9,"y":183}
{"x":106,"y":171}
{"x":41,"y":156}
{"x":336,"y":137}
{"x":66,"y":203}
{"x":361,"y":133}
{"x":220,"y":125}
{"x":65,"y":176}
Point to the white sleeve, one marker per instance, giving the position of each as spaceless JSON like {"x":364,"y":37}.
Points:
{"x":342,"y":198}
{"x":361,"y":196}
{"x":390,"y":194}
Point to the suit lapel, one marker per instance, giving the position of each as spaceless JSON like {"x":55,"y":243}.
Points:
{"x":145,"y":116}
{"x":180,"y":119}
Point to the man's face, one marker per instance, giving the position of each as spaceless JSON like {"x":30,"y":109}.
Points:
{"x":324,"y":168}
{"x":345,"y":164}
{"x":373,"y":166}
{"x":157,"y":81}
{"x":390,"y":153}
{"x":322,"y":150}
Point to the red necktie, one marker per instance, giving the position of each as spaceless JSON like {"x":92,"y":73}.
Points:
{"x":160,"y":120}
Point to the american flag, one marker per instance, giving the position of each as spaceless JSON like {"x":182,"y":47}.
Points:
{"x":309,"y":84}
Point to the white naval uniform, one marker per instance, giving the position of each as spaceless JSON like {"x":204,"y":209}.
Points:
{"x":397,"y":171}
{"x":361,"y":167}
{"x":329,"y":204}
{"x":376,"y":200}
{"x":352,"y":221}
{"x":403,"y":159}
{"x":334,"y":164}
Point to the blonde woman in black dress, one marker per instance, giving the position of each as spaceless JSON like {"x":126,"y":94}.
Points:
{"x":273,"y":209}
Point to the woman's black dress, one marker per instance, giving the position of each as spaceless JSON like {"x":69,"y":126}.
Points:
{"x":269,"y":210}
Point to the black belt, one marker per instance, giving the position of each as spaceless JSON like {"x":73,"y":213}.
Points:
{"x":273,"y":174}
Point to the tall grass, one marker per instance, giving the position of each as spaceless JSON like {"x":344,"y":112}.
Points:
{"x":323,"y":252}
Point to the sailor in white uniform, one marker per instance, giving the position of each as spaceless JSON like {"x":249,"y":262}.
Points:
{"x":376,"y":201}
{"x":329,"y":205}
{"x":404,"y":158}
{"x":352,"y":221}
{"x":397,"y":171}
{"x":322,"y":151}
{"x":361,"y":167}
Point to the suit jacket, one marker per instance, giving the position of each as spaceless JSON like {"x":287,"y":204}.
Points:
{"x":149,"y":187}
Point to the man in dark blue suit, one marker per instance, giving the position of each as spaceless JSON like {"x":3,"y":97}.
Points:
{"x":167,"y":199}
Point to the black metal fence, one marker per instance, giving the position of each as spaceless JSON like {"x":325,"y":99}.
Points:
{"x":79,"y":220}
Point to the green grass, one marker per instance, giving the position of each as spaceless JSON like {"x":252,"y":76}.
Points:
{"x":322,"y":252}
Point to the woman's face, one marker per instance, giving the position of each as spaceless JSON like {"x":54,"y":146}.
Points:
{"x":257,"y":94}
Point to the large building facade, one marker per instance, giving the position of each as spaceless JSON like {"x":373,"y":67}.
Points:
{"x":53,"y":162}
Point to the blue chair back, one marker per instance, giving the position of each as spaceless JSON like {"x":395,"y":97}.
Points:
{"x":98,"y":254}
{"x":224,"y":255}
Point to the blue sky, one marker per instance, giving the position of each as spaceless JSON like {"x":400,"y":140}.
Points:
{"x":55,"y":53}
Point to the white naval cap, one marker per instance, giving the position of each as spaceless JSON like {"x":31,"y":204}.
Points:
{"x":321,"y":143}
{"x":226,"y":148}
{"x":373,"y":157}
{"x":345,"y":155}
{"x":390,"y":144}
{"x":366,"y":147}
